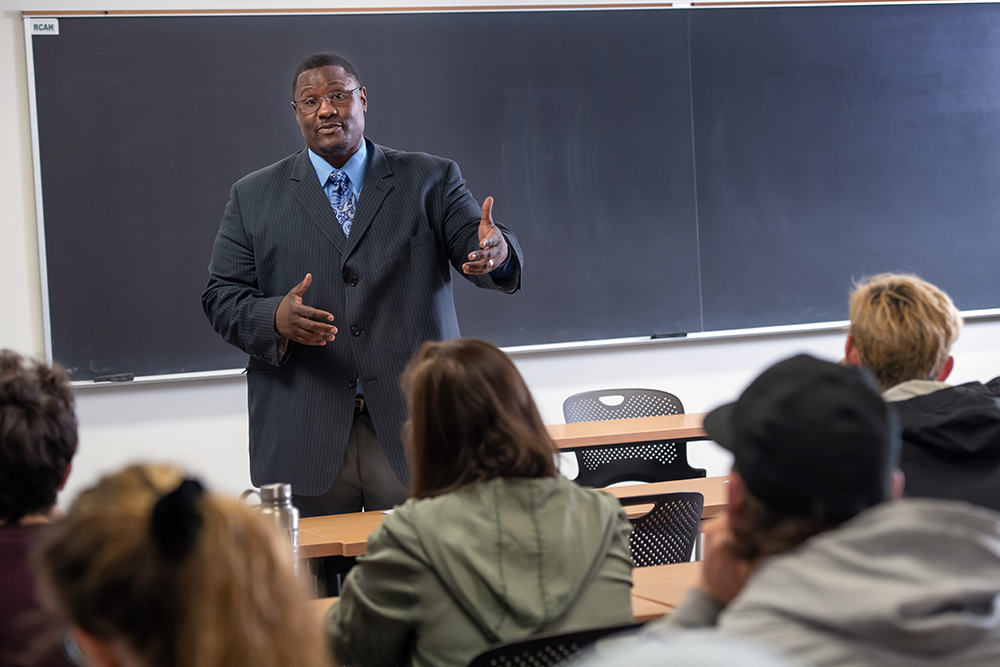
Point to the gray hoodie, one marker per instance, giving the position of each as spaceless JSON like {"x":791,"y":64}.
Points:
{"x":446,"y":577}
{"x":911,"y":582}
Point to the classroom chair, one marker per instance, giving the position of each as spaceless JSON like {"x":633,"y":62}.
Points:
{"x":667,"y":533}
{"x":546,"y":650}
{"x":633,"y":462}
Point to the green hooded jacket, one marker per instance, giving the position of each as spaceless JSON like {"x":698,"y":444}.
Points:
{"x":444,"y":578}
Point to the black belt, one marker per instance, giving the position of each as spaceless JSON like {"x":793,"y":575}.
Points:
{"x":359,"y":403}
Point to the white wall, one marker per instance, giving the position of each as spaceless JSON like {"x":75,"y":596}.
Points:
{"x":203,"y":424}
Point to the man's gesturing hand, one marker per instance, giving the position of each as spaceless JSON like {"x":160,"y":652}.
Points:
{"x":300,"y":323}
{"x":492,"y":245}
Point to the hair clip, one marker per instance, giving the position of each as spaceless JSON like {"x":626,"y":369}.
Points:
{"x":177,"y":519}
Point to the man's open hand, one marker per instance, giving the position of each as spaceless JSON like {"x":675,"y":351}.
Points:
{"x":301,"y":323}
{"x":492,"y":245}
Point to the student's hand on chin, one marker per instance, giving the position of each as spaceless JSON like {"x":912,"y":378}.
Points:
{"x":723,"y":575}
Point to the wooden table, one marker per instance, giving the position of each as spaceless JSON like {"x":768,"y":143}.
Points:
{"x":337,"y":534}
{"x":642,"y":609}
{"x":714,"y":489}
{"x":347,"y":534}
{"x":656,"y":591}
{"x":320,"y":606}
{"x":665,"y":584}
{"x":618,"y":431}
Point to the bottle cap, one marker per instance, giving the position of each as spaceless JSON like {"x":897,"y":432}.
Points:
{"x":270,"y":493}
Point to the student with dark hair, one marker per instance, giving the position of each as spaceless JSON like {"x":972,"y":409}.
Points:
{"x":38,"y":438}
{"x":493,"y":545}
{"x":811,"y":559}
{"x":151,"y":570}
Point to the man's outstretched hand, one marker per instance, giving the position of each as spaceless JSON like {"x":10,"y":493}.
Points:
{"x":301,"y":323}
{"x":492,"y":245}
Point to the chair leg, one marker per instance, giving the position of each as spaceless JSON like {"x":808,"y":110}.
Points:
{"x":699,"y":544}
{"x":329,"y":573}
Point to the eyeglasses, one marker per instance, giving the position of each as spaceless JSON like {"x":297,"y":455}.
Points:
{"x":338,"y":98}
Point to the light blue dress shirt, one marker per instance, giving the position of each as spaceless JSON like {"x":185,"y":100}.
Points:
{"x":355,"y":169}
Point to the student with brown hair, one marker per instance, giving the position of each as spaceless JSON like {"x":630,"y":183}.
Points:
{"x":38,"y":438}
{"x":150,"y":570}
{"x":902,"y":329}
{"x":493,"y":545}
{"x":812,"y":558}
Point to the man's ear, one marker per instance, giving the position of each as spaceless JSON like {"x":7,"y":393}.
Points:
{"x":898,"y":485}
{"x":851,"y":356}
{"x":946,"y":371}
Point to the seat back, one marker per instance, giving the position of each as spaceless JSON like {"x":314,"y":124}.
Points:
{"x":633,"y":462}
{"x":547,"y":649}
{"x":668,"y":532}
{"x":588,"y":406}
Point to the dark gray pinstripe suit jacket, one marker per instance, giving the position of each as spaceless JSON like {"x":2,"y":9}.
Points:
{"x":388,"y":287}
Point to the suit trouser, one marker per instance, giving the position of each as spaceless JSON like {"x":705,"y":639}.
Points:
{"x":366,"y":480}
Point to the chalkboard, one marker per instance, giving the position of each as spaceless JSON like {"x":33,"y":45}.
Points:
{"x":664,"y":170}
{"x":839,"y":142}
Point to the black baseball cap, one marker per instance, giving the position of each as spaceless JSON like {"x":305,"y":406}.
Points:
{"x":811,"y":438}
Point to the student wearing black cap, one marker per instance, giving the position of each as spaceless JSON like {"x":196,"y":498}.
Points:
{"x":812,"y":560}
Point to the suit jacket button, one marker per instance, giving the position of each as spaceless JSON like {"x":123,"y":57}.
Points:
{"x":355,"y":330}
{"x":354,"y":281}
{"x":352,"y":382}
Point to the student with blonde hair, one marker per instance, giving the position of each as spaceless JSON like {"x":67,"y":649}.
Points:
{"x":151,"y":570}
{"x":902,"y":329}
{"x":493,"y":544}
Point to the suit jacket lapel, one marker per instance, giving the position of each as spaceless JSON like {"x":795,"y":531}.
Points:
{"x":306,"y":189}
{"x":377,"y":185}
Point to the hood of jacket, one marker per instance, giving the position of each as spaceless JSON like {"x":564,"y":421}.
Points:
{"x":914,"y":577}
{"x":514,"y":553}
{"x":958,"y":422}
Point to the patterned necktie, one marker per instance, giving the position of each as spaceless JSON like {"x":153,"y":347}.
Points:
{"x":342,"y":200}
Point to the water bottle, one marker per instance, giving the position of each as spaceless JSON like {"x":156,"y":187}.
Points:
{"x":276,"y":506}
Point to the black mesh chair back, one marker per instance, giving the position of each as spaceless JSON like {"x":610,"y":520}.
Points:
{"x":620,"y":404}
{"x":546,"y":650}
{"x":667,"y":533}
{"x":632,"y":462}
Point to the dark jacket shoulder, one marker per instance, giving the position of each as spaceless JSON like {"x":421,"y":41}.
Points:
{"x":961,"y":421}
{"x":951,"y":444}
{"x":414,"y":159}
{"x":279,"y":171}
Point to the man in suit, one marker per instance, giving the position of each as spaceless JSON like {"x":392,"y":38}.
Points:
{"x":330,"y":269}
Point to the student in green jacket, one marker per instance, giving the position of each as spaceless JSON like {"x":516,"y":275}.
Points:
{"x":493,"y":544}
